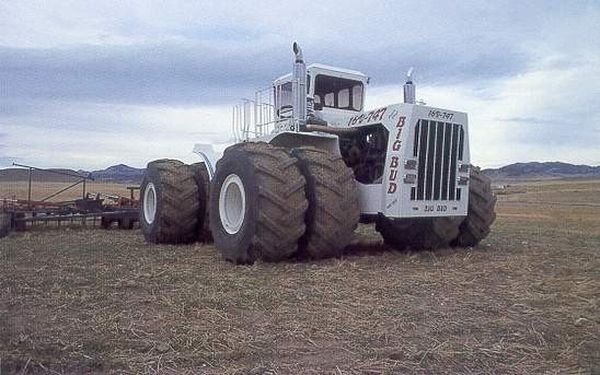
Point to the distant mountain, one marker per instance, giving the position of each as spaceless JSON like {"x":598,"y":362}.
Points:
{"x":120,"y":173}
{"x":124,"y":174}
{"x":546,"y":170}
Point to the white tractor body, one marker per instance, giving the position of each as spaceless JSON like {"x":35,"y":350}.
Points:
{"x":426,"y":169}
{"x":308,"y":163}
{"x":410,"y":160}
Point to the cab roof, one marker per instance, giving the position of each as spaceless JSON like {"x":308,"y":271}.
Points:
{"x":315,"y":69}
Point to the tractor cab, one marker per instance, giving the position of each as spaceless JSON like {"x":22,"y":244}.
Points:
{"x":332,"y":93}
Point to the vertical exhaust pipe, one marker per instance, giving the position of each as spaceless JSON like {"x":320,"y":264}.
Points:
{"x":299,"y":88}
{"x":409,"y":88}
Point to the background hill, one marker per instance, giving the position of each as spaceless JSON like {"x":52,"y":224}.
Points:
{"x":116,"y":174}
{"x":120,"y":173}
{"x":125,"y":174}
{"x":546,"y":170}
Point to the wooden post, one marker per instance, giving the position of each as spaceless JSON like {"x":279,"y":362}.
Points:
{"x":29,"y":189}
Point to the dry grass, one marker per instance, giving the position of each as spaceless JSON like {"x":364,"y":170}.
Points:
{"x":525,"y":301}
{"x":40,"y":190}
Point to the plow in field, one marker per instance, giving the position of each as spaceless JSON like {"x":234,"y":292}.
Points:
{"x":91,"y":209}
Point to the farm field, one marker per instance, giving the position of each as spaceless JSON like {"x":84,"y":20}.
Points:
{"x":42,"y":189}
{"x":526,"y":301}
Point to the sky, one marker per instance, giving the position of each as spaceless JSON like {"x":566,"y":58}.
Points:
{"x":92,"y":84}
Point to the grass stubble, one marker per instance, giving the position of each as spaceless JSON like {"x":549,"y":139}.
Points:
{"x":103,"y":301}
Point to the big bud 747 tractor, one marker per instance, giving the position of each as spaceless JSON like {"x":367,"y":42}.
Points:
{"x":309,"y":163}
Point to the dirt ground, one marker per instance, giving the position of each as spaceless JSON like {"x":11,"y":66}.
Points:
{"x":526,"y":301}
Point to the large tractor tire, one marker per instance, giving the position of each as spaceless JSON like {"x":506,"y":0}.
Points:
{"x":169,"y":203}
{"x":257,"y":203}
{"x":425,"y":233}
{"x":333,"y":207}
{"x":481,"y":214}
{"x":203,"y":182}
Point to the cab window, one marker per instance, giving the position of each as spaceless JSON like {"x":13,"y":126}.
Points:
{"x":283,"y":93}
{"x":335,"y":92}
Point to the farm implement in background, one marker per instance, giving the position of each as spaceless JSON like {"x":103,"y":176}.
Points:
{"x":89,"y":209}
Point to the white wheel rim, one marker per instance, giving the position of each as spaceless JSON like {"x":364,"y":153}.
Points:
{"x":232,"y":204}
{"x":150,"y":203}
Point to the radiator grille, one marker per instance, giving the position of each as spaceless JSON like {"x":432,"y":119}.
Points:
{"x":437,"y":146}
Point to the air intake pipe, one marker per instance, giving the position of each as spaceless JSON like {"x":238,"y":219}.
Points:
{"x":409,"y":88}
{"x":299,"y":88}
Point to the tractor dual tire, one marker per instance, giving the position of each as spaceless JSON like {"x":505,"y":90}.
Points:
{"x":419,"y":233}
{"x":333,"y":207}
{"x":202,"y":179}
{"x":169,"y":202}
{"x":481,"y":212}
{"x":257,"y":203}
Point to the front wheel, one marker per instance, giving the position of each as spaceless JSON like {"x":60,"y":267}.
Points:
{"x":481,"y":213}
{"x":419,"y":233}
{"x":333,"y":207}
{"x":257,"y":203}
{"x":202,"y":178}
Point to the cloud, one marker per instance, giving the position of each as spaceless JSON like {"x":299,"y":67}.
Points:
{"x":196,"y":73}
{"x":131,"y":134}
{"x":107,"y":82}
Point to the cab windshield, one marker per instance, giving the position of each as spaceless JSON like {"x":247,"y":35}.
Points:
{"x":335,"y":92}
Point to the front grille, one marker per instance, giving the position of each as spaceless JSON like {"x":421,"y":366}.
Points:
{"x":437,"y":146}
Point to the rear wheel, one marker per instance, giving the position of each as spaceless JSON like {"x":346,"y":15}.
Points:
{"x":169,"y":203}
{"x":333,"y":208}
{"x":257,"y":203}
{"x":203,"y":182}
{"x":481,"y":213}
{"x":421,"y":233}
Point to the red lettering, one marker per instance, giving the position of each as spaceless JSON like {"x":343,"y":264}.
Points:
{"x":396,"y":145}
{"x":394,"y":163}
{"x":393,"y":174}
{"x":392,"y":188}
{"x":400,"y":122}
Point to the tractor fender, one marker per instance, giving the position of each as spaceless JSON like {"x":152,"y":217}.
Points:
{"x":322,"y":141}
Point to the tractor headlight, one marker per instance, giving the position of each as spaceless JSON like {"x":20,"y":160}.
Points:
{"x":410,"y":164}
{"x":410,"y":178}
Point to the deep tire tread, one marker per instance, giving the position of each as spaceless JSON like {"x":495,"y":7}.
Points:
{"x":280,"y":201}
{"x":334,"y":210}
{"x":178,"y":218}
{"x":202,"y":179}
{"x":481,"y":214}
{"x":421,"y":233}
